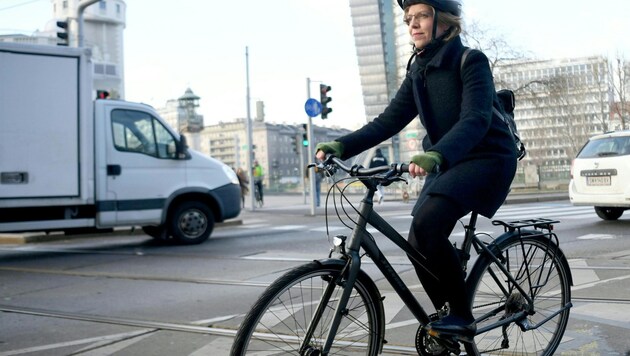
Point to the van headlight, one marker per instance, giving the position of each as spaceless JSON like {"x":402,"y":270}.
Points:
{"x":229,"y":172}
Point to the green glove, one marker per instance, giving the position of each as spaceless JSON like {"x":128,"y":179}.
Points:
{"x":334,"y":147}
{"x":428,"y":160}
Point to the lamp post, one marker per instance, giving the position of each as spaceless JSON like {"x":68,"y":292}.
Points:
{"x":310,"y":152}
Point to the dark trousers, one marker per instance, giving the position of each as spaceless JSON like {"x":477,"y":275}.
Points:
{"x":259,"y":187}
{"x":431,"y":227}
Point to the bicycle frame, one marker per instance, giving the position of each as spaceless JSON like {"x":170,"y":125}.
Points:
{"x":361,"y":238}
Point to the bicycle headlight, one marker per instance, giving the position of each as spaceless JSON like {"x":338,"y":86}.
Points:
{"x":339,"y":245}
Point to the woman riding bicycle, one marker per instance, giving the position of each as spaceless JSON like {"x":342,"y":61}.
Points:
{"x":469,"y":157}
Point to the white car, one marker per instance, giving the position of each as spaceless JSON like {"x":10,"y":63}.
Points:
{"x":600,"y":175}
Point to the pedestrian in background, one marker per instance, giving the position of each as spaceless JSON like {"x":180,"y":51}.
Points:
{"x":257,"y":173}
{"x":319,"y":176}
{"x":377,"y":161}
{"x":243,"y":181}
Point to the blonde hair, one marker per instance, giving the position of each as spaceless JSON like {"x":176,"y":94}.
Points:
{"x":451,"y":21}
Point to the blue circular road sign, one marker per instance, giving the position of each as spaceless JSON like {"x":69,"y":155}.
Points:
{"x":312,"y":107}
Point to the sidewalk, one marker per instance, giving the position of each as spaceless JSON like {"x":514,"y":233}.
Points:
{"x":296,"y":203}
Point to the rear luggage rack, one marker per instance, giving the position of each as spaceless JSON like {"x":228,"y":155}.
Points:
{"x":538,"y":223}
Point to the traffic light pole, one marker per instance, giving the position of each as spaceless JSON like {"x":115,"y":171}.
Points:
{"x":302,"y":171}
{"x":80,"y":11}
{"x":310,"y":151}
{"x":250,"y":140}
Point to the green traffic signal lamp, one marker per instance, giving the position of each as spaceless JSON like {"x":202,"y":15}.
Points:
{"x":304,"y":140}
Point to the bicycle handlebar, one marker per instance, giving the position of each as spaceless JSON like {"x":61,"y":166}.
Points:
{"x":395,"y":169}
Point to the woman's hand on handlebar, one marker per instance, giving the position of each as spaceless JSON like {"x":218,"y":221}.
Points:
{"x":333,"y":147}
{"x":416,"y":171}
{"x":425,"y":163}
{"x":320,"y":155}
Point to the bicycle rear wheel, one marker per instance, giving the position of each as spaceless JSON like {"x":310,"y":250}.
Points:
{"x":279,"y":320}
{"x":540,"y":268}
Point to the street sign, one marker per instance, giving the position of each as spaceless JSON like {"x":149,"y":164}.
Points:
{"x":312,"y":107}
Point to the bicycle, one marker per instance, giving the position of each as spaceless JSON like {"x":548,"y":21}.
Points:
{"x":257,"y":195}
{"x":520,"y":289}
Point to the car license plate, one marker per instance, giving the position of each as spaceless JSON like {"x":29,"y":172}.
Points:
{"x":598,"y":180}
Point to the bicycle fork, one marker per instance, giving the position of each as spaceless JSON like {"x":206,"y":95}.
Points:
{"x":346,"y":280}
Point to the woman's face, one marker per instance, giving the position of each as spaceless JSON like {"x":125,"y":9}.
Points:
{"x":419,"y":19}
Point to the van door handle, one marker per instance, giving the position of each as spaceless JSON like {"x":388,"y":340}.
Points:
{"x":113,"y":169}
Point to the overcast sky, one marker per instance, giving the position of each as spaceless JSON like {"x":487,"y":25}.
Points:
{"x":170,"y":46}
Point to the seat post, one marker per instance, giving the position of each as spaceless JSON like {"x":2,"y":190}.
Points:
{"x":464,"y":252}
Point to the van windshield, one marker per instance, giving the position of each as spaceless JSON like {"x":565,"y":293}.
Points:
{"x":606,"y":147}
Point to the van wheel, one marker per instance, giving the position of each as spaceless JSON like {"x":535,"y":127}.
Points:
{"x":191,"y":223}
{"x":608,"y":213}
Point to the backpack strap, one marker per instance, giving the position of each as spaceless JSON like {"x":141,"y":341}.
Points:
{"x":464,"y":56}
{"x":509,"y":123}
{"x":461,"y":67}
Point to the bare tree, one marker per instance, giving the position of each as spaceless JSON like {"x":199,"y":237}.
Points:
{"x":494,"y":45}
{"x":620,"y":79}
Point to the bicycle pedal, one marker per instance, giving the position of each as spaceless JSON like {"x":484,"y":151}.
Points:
{"x":449,"y":343}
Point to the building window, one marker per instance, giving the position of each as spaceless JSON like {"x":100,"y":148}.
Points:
{"x":102,"y":5}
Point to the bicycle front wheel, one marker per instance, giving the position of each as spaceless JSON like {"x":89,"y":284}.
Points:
{"x":541,"y":270}
{"x":305,"y":299}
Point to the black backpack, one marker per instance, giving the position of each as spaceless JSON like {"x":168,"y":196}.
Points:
{"x":508,"y":102}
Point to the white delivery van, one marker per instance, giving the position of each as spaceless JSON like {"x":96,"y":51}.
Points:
{"x":70,"y":162}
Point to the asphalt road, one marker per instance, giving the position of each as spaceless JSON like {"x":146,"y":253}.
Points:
{"x":123,"y":294}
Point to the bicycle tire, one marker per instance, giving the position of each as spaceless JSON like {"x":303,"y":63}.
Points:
{"x":278,"y":321}
{"x":547,"y":264}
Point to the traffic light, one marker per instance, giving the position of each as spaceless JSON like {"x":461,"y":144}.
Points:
{"x":325,"y":99}
{"x":102,"y":94}
{"x":294,"y":145}
{"x":62,"y":33}
{"x":305,"y":135}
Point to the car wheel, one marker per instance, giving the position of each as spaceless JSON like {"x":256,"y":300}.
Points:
{"x":607,"y":213}
{"x":191,"y":223}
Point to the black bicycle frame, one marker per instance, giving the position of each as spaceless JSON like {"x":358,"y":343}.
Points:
{"x":361,"y":238}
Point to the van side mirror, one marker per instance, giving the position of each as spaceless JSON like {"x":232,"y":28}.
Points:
{"x":182,"y":147}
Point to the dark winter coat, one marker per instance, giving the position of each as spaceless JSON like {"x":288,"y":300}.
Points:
{"x":479,"y":155}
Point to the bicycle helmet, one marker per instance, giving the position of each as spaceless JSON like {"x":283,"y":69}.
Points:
{"x":451,"y":6}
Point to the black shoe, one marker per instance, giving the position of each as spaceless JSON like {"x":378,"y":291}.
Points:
{"x":453,"y":326}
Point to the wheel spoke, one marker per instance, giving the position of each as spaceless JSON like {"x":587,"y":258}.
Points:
{"x":536,"y":266}
{"x":279,"y":322}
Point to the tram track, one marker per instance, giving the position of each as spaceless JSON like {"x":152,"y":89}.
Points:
{"x":152,"y":326}
{"x":197,"y":280}
{"x":128,"y":276}
{"x":160,"y":326}
{"x":214,"y":327}
{"x":190,"y":328}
